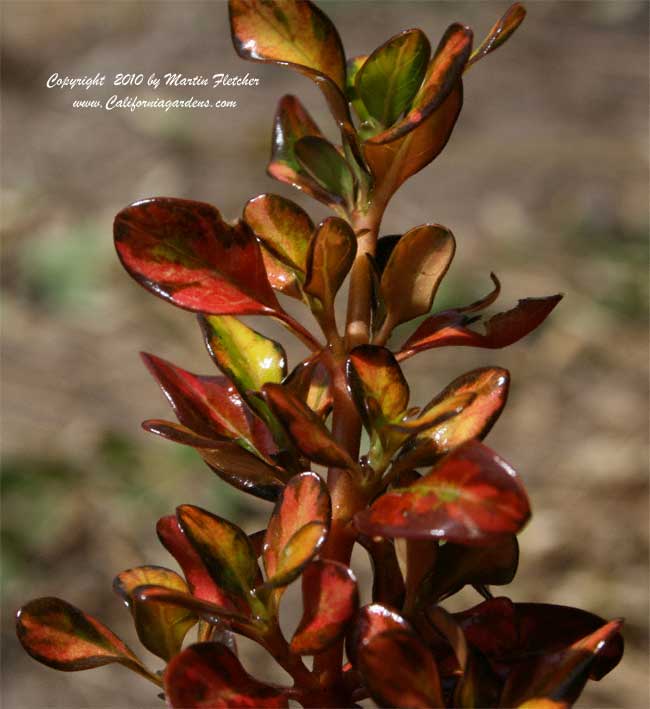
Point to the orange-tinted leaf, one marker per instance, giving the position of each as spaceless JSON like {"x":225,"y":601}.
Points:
{"x":330,"y":257}
{"x":226,"y":554}
{"x":414,"y":270}
{"x":184,"y":252}
{"x":292,"y":122}
{"x":305,"y":428}
{"x":295,"y":34}
{"x":61,"y":636}
{"x":391,"y":76}
{"x":209,"y":676}
{"x":310,"y":382}
{"x":458,"y":565}
{"x":372,"y":620}
{"x":445,"y":69}
{"x":501,"y":330}
{"x":499,"y":33}
{"x":330,"y":599}
{"x":490,"y":387}
{"x":560,"y":675}
{"x":209,"y":406}
{"x":404,"y":157}
{"x":297,"y":529}
{"x":325,"y":164}
{"x":471,"y":496}
{"x":282,"y":226}
{"x":399,"y":671}
{"x":379,"y":388}
{"x":281,"y":277}
{"x":228,"y":460}
{"x":161,"y":629}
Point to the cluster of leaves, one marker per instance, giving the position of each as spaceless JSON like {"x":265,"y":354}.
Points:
{"x":435,"y":508}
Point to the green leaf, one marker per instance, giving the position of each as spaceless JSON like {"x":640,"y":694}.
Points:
{"x":330,"y":599}
{"x":353,"y":67}
{"x":305,"y":428}
{"x":282,"y":226}
{"x":331,"y":255}
{"x":242,"y":354}
{"x":500,"y":32}
{"x":390,"y":78}
{"x":226,"y":553}
{"x":61,"y":636}
{"x":414,"y":270}
{"x":161,"y":628}
{"x":325,"y":164}
{"x":297,"y":529}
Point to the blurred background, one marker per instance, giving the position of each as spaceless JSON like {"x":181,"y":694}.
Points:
{"x":545,"y":182}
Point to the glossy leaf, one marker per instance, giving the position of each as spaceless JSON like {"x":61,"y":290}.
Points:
{"x":310,"y":382}
{"x":392,"y":75}
{"x":161,"y":628}
{"x":414,"y":270}
{"x":209,"y":676}
{"x":443,"y":74}
{"x":245,"y":356}
{"x":562,"y":674}
{"x":282,"y":226}
{"x":501,"y":330}
{"x":399,"y":671}
{"x":458,"y":565}
{"x":297,"y":529}
{"x":210,"y":406}
{"x":472,"y":496}
{"x":61,"y":636}
{"x":398,"y":160}
{"x":226,"y":554}
{"x":183,"y":252}
{"x":372,"y":620}
{"x":305,"y":428}
{"x":297,"y":34}
{"x":330,"y":599}
{"x":228,"y":460}
{"x":325,"y":164}
{"x":499,"y":33}
{"x":490,"y":388}
{"x":379,"y":388}
{"x":331,"y":256}
{"x":292,"y":122}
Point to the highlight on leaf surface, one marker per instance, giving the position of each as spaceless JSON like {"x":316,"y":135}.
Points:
{"x":161,"y":628}
{"x":297,"y":529}
{"x":330,"y":599}
{"x":472,"y":497}
{"x":183,"y":252}
{"x":209,"y":676}
{"x":61,"y":636}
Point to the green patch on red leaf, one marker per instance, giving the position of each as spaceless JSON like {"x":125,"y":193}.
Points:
{"x":472,"y":497}
{"x":161,"y":629}
{"x":184,"y":252}
{"x":209,"y":676}
{"x":61,"y":636}
{"x":330,"y":599}
{"x":297,"y":529}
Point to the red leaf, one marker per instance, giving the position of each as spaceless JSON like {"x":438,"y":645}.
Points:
{"x":184,"y":252}
{"x":209,"y":676}
{"x":472,"y":496}
{"x":330,"y":599}
{"x":372,"y":620}
{"x":501,"y":330}
{"x":297,"y":529}
{"x":399,"y":671}
{"x":61,"y":636}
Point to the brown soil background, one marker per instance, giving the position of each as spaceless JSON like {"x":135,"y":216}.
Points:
{"x":545,"y":182}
